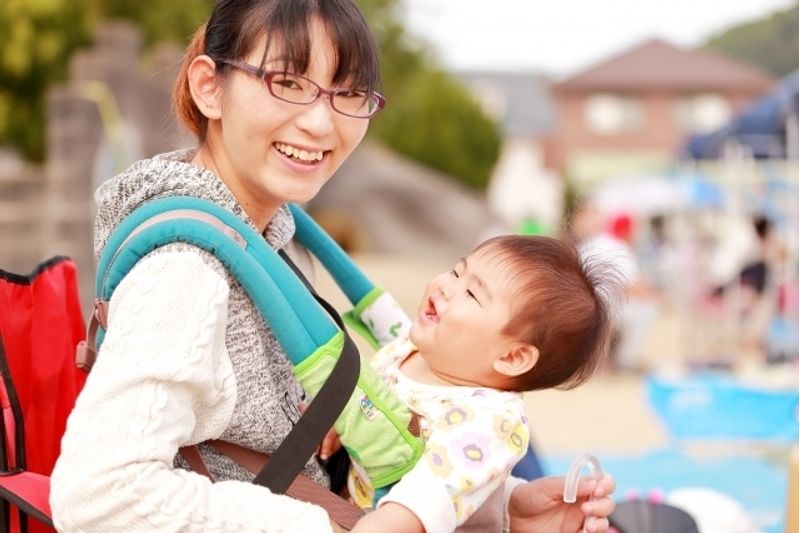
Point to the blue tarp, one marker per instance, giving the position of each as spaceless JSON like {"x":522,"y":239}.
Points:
{"x":757,"y":482}
{"x":712,"y":406}
{"x":761,"y":127}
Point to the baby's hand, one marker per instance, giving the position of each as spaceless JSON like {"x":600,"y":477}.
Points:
{"x":330,"y":444}
{"x":390,"y":517}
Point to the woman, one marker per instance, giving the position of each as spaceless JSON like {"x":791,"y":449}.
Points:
{"x":187,"y":357}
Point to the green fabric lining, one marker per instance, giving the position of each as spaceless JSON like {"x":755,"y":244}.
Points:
{"x":351,"y":319}
{"x":331,"y":348}
{"x":374,"y":425}
{"x":367,"y":300}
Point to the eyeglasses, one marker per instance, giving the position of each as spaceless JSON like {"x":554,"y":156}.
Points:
{"x":297,"y":89}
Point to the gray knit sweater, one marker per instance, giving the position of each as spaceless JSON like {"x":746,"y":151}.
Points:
{"x":268,"y":395}
{"x":215,"y":371}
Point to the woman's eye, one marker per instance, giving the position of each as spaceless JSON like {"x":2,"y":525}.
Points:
{"x":351,"y":93}
{"x":286,"y":83}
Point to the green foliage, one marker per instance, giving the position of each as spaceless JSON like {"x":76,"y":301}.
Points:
{"x":434,"y":121}
{"x":769,"y":43}
{"x":38,"y":38}
{"x":161,"y":20}
{"x":430,"y":116}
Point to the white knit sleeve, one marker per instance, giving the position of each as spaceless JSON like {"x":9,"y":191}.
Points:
{"x":163,"y":379}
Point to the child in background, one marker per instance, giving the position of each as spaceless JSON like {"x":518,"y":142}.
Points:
{"x":519,"y":313}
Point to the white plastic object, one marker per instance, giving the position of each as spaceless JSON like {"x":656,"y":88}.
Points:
{"x":574,"y":475}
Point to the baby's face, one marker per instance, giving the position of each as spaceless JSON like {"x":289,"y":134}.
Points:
{"x":458,"y":328}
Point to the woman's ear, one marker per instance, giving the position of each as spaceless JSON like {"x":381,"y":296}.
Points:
{"x":519,"y":358}
{"x":205,"y":87}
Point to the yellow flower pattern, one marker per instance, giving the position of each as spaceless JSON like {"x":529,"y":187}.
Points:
{"x":473,"y":435}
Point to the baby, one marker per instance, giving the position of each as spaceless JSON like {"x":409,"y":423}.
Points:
{"x":519,"y":313}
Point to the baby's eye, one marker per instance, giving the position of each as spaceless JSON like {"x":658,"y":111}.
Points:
{"x":472,"y":295}
{"x":454,"y":273}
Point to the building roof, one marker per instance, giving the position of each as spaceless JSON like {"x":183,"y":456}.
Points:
{"x":522,"y":101}
{"x":656,"y":64}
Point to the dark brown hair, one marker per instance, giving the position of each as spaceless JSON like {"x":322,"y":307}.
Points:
{"x":235,"y":26}
{"x":560,"y":308}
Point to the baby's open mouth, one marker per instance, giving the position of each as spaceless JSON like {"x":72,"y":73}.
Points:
{"x":430,"y":311}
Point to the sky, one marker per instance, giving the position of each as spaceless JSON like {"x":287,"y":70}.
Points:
{"x":561,"y":37}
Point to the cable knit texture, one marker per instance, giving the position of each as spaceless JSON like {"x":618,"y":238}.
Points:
{"x":187,"y":358}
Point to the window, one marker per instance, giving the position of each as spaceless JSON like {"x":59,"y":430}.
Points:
{"x":611,"y":114}
{"x":701,"y":113}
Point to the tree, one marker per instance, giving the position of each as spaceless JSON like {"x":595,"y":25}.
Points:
{"x":769,"y":42}
{"x":435,"y":121}
{"x":161,"y":20}
{"x":430,"y":116}
{"x":38,"y":38}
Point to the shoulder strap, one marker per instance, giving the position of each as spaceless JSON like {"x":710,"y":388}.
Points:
{"x":350,"y":279}
{"x":295,"y":449}
{"x":275,"y":289}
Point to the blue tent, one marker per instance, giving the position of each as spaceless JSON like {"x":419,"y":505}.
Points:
{"x":761,"y":126}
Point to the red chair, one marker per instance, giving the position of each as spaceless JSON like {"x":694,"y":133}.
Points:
{"x":40,"y":325}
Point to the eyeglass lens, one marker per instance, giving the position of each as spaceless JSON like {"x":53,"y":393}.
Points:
{"x":300,"y":90}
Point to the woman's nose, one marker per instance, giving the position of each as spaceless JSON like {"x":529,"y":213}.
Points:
{"x":317,"y":118}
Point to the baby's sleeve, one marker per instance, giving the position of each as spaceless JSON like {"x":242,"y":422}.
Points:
{"x":469,"y":454}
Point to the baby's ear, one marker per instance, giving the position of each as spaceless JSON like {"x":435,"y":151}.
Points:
{"x":519,"y":359}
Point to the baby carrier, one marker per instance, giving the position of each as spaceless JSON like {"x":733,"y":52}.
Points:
{"x":376,"y":429}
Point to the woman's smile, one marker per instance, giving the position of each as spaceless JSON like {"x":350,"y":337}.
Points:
{"x":300,"y":154}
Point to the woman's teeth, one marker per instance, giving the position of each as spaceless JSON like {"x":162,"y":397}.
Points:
{"x":297,"y":153}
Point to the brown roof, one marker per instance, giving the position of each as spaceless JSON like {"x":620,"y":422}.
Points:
{"x":656,"y":64}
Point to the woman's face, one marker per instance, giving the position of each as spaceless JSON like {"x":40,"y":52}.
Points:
{"x":268,"y":151}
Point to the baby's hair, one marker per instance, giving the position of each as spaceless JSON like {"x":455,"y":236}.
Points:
{"x":565,"y":307}
{"x":235,"y":26}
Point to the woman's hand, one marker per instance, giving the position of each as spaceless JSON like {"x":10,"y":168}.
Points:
{"x":538,"y":506}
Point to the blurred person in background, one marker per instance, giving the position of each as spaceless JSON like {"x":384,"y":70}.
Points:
{"x":758,"y":289}
{"x":278,"y":94}
{"x":611,"y":237}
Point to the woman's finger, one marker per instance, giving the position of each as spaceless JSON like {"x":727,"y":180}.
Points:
{"x":599,"y":508}
{"x":605,"y":486}
{"x":596,"y":525}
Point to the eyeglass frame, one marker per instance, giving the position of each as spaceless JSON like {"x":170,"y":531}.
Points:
{"x":266,"y":76}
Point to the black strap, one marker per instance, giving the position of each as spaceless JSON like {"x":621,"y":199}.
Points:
{"x":293,"y":453}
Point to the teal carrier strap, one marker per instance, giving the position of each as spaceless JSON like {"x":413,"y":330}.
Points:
{"x":374,"y":424}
